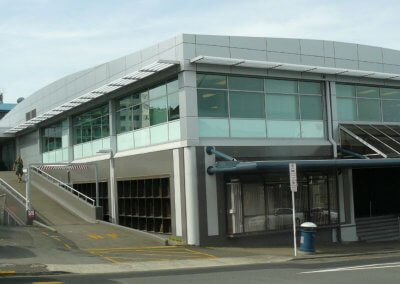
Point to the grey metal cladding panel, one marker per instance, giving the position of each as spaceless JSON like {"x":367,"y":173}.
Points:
{"x":394,"y":69}
{"x":133,"y":59}
{"x":149,"y":52}
{"x":101,"y":73}
{"x":166,"y":44}
{"x":248,"y":42}
{"x":347,"y":64}
{"x":169,"y":54}
{"x":369,"y":53}
{"x":391,"y":56}
{"x":329,"y":62}
{"x":212,"y":50}
{"x":188,"y":38}
{"x":287,"y":45}
{"x":312,"y":47}
{"x":329,"y":49}
{"x":117,"y":66}
{"x":186,"y":51}
{"x":313,"y":60}
{"x":283,"y":57}
{"x":369,"y":66}
{"x":346,"y":50}
{"x":212,"y":40}
{"x":248,"y":54}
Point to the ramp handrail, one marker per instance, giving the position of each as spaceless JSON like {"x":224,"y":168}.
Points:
{"x":64,"y":185}
{"x":18,"y":196}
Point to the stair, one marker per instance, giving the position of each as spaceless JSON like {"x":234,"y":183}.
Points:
{"x":378,"y":229}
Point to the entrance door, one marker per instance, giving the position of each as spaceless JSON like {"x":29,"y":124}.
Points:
{"x":376,"y":192}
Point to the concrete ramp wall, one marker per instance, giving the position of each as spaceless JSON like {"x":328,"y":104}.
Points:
{"x":15,"y":206}
{"x":64,"y":198}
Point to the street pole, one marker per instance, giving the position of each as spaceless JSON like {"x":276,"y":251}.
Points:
{"x":293,"y":189}
{"x":113,"y":191}
{"x":97,"y":185}
{"x":294,"y":225}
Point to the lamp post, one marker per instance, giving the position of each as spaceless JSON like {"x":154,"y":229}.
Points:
{"x":113,"y":191}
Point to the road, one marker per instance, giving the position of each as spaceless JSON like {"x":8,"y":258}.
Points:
{"x":354,"y":270}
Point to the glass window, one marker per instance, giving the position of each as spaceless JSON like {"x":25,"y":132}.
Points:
{"x":389,"y":93}
{"x":245,"y":83}
{"x":281,"y":86}
{"x":211,"y":81}
{"x":212,"y":103}
{"x":124,"y":121}
{"x":124,"y":103}
{"x":312,"y":129}
{"x":248,"y":128}
{"x":345,"y":90}
{"x":367,"y":92}
{"x":77,"y":134}
{"x":346,"y":109}
{"x":105,"y":126}
{"x":158,"y":91}
{"x":86,"y":132}
{"x":158,"y":111}
{"x":369,"y":110}
{"x":309,"y":87}
{"x":283,"y":129}
{"x":172,"y":87}
{"x":141,"y":116}
{"x":391,"y":111}
{"x":96,"y":128}
{"x":247,"y":105}
{"x":282,"y":107}
{"x":213,"y":127}
{"x":140,"y":98}
{"x":311,"y":107}
{"x":173,"y":106}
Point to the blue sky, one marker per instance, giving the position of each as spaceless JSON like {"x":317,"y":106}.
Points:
{"x":44,"y":40}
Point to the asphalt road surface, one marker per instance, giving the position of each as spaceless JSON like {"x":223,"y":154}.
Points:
{"x":354,"y":270}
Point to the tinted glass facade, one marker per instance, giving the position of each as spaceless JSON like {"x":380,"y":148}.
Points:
{"x":91,"y":125}
{"x":148,"y":108}
{"x":55,"y":136}
{"x":259,"y":107}
{"x":367,"y":103}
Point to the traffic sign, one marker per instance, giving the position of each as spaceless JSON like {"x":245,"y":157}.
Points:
{"x":293,"y":177}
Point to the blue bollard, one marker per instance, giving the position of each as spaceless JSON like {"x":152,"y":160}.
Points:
{"x":307,"y":239}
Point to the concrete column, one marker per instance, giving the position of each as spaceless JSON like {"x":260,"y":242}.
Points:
{"x":211,"y":197}
{"x":177,"y":192}
{"x":346,"y":203}
{"x":191,"y":191}
{"x":70,"y":139}
{"x":112,"y":184}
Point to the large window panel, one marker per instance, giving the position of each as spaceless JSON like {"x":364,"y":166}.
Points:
{"x":211,"y":81}
{"x":124,"y":123}
{"x":311,"y":107}
{"x":246,"y":84}
{"x":345,"y":90}
{"x":173,"y":107}
{"x":367,"y":92}
{"x":158,"y":111}
{"x":312,"y":129}
{"x":141,"y":116}
{"x":390,"y":93}
{"x":213,"y":127}
{"x":282,"y":107}
{"x":139,"y":98}
{"x":212,"y":103}
{"x":246,"y":104}
{"x":347,"y":110}
{"x":124,"y":103}
{"x":369,"y":110}
{"x":248,"y":128}
{"x":309,"y":88}
{"x":158,"y":92}
{"x":105,"y":126}
{"x":281,"y":86}
{"x":172,"y":87}
{"x":283,"y":129}
{"x":391,"y":111}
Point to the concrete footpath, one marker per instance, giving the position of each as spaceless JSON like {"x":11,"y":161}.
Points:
{"x":36,"y":251}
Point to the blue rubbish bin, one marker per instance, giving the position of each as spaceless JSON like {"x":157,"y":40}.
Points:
{"x":307,"y":239}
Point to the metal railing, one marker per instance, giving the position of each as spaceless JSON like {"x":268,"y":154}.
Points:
{"x":64,"y":186}
{"x":18,"y":196}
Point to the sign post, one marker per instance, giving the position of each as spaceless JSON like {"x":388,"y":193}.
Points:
{"x":293,"y":189}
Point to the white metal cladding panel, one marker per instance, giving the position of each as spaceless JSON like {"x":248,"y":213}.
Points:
{"x":29,"y":148}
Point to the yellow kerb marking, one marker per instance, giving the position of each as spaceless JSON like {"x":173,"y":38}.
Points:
{"x":7,"y":272}
{"x":131,"y":248}
{"x":201,"y":253}
{"x":48,"y":282}
{"x":95,"y":236}
{"x":67,"y":246}
{"x":112,"y":235}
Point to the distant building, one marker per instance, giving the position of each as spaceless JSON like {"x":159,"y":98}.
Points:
{"x":5,"y":108}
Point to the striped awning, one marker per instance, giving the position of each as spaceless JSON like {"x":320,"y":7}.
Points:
{"x":63,"y":167}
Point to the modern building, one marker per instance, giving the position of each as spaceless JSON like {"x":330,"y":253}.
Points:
{"x":331,"y":107}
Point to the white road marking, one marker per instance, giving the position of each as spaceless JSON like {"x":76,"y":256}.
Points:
{"x":360,"y":267}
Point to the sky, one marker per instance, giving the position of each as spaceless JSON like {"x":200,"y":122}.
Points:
{"x":44,"y":40}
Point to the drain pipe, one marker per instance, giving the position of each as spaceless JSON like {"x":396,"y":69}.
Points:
{"x":210,"y":150}
{"x":329,"y":118}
